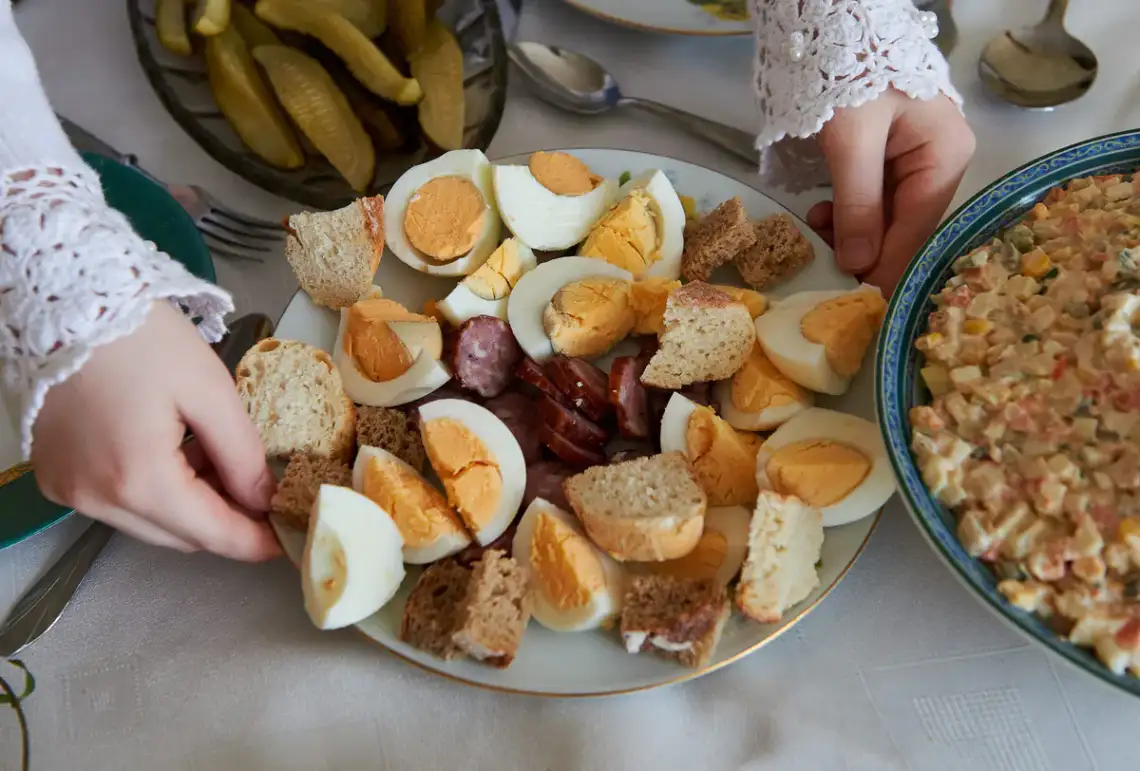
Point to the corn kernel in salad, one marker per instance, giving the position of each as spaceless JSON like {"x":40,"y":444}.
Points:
{"x":977,"y":326}
{"x":1035,"y":263}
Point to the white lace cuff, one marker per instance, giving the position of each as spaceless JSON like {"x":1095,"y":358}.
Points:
{"x":815,"y":56}
{"x":74,"y":275}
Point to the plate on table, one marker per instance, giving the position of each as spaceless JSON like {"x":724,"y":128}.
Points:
{"x":681,"y":17}
{"x":595,"y":663}
{"x":899,"y":386}
{"x":181,"y":83}
{"x":158,"y":218}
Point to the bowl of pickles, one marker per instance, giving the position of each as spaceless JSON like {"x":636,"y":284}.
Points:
{"x":322,"y":101}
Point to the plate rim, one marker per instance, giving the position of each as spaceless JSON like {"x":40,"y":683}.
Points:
{"x":978,"y":219}
{"x":686,"y":675}
{"x":640,"y":27}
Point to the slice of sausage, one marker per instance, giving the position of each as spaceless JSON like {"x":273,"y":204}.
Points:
{"x":573,"y":454}
{"x":482,"y":355}
{"x":544,"y":480}
{"x":629,"y":397}
{"x":586,"y":385}
{"x":571,"y":424}
{"x":647,"y":346}
{"x":530,"y":372}
{"x":518,"y":414}
{"x":658,"y":400}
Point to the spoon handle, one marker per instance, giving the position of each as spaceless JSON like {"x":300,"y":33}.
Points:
{"x":740,"y":143}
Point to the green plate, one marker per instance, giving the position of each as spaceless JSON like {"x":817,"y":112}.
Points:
{"x":158,"y":218}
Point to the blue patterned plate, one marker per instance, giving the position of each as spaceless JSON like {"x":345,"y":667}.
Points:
{"x":897,"y":386}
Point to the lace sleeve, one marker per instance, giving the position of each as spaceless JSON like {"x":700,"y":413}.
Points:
{"x":73,"y":273}
{"x":815,"y":56}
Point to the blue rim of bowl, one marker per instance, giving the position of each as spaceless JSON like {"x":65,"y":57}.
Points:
{"x":897,"y":387}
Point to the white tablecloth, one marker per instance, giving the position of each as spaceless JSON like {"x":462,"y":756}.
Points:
{"x":189,"y":662}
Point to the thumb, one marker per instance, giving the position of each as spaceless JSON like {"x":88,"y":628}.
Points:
{"x":855,"y":144}
{"x":227,"y":437}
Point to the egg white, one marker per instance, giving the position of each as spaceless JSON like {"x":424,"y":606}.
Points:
{"x":602,"y":607}
{"x":471,"y":164}
{"x":817,"y":423}
{"x":762,"y":420}
{"x":536,"y":289}
{"x":444,"y":545}
{"x":502,"y":445}
{"x":424,"y":376}
{"x":462,"y":304}
{"x":801,"y":360}
{"x":675,"y":423}
{"x":670,"y":216}
{"x":542,"y":219}
{"x":350,"y":536}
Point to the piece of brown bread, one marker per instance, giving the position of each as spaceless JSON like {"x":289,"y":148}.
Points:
{"x":720,"y":235}
{"x":390,"y":430}
{"x":675,"y":618}
{"x":707,"y":337}
{"x":431,"y":613}
{"x":293,"y":501}
{"x":780,"y":252}
{"x":495,"y":613}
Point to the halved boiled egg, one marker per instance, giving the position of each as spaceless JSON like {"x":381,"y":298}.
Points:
{"x":598,"y":297}
{"x":552,"y":202}
{"x":644,"y":231}
{"x":479,"y":462}
{"x":718,"y":554}
{"x":759,"y":397}
{"x":723,"y":459}
{"x":485,"y":292}
{"x":353,"y":561}
{"x":429,"y":526}
{"x":574,"y":585}
{"x":440,"y":217}
{"x":830,"y":460}
{"x":818,"y":339}
{"x":386,"y":354}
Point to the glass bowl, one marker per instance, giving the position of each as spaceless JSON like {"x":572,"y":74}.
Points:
{"x":181,"y":85}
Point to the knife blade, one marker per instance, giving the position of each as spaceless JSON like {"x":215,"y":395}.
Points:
{"x":41,"y":607}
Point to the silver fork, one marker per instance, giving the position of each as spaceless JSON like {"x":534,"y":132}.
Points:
{"x":227,"y":232}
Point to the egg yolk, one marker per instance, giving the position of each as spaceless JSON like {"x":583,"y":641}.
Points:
{"x":445,"y":217}
{"x":758,"y":385}
{"x":378,"y":352}
{"x":334,"y":572}
{"x":589,"y":317}
{"x":844,"y":326}
{"x":419,"y":510}
{"x":724,"y":461}
{"x":755,"y":302}
{"x":564,"y":564}
{"x":817,"y":471}
{"x":627,"y":235}
{"x":702,"y":562}
{"x":647,"y":298}
{"x":497,"y":276}
{"x":562,"y":173}
{"x":467,"y":468}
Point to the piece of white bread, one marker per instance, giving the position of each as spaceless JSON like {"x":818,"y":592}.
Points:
{"x":295,"y":397}
{"x":784,"y":543}
{"x":335,"y":254}
{"x":645,"y":510}
{"x":707,"y":336}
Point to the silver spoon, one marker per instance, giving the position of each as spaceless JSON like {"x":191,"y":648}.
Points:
{"x":578,"y":84}
{"x":1039,"y":67}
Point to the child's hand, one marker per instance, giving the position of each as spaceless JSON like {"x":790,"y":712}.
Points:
{"x":108,"y":442}
{"x":895,"y":163}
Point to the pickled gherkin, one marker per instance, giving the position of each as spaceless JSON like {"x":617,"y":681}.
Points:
{"x":321,"y":111}
{"x":365,"y":61}
{"x":211,"y":17}
{"x":170,"y":21}
{"x":253,"y":30}
{"x":247,"y":102}
{"x":438,"y":66}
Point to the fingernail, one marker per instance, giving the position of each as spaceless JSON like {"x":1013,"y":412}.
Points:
{"x":856,"y":255}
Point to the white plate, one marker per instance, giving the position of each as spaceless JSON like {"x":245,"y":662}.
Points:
{"x":682,"y":17}
{"x":595,"y":663}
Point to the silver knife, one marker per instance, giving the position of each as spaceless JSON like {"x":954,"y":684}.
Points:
{"x":43,"y":604}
